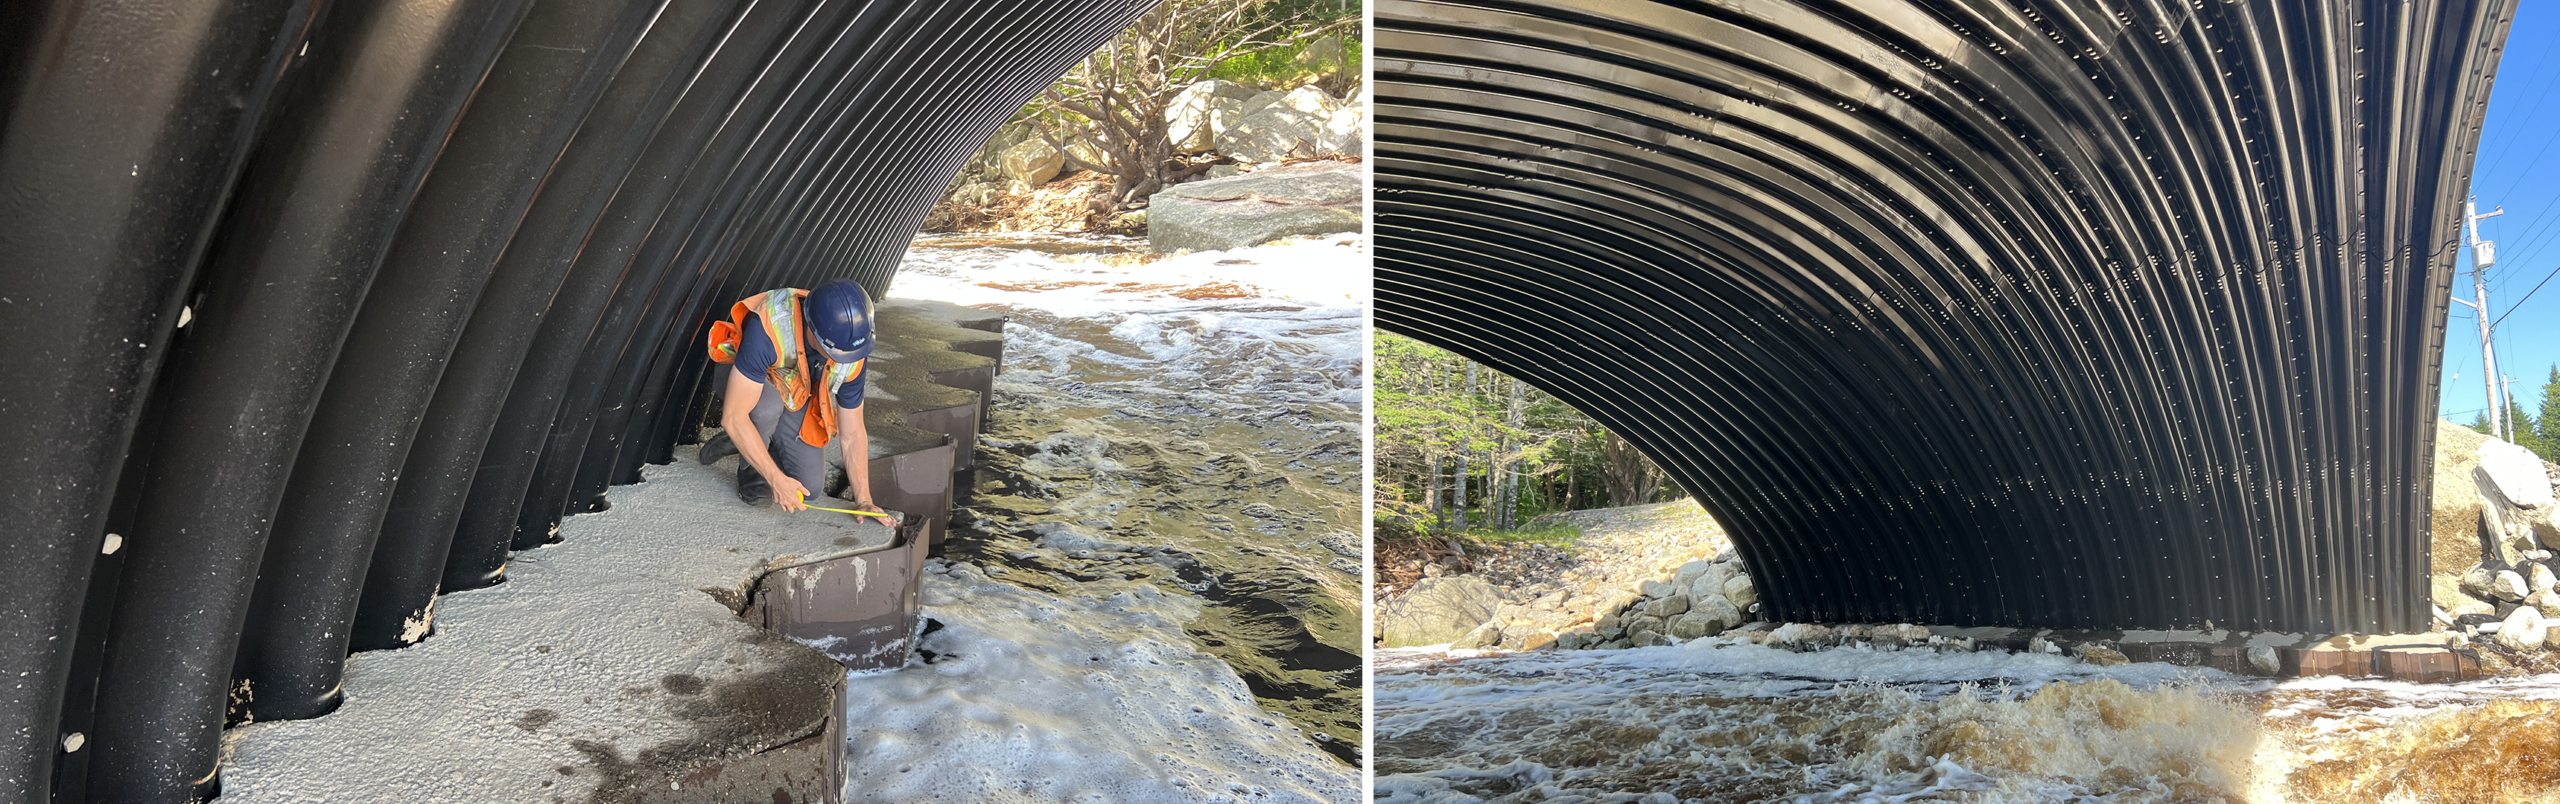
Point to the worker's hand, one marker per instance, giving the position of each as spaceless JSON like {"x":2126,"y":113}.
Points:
{"x":867,"y":505}
{"x":789,"y":494}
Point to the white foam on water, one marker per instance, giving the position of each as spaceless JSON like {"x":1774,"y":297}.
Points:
{"x":1713,"y":720}
{"x":1236,"y":331}
{"x":1038,"y":698}
{"x":1105,"y":697}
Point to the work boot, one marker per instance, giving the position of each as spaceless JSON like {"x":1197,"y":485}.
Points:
{"x":717,"y":448}
{"x":752,"y":488}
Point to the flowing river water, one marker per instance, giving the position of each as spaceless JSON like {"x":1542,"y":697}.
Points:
{"x":1711,"y":721}
{"x":1187,"y":424}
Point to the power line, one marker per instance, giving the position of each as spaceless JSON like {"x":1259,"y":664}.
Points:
{"x":2518,"y":304}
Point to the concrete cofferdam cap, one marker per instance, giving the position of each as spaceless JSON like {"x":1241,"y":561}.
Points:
{"x":313,"y":310}
{"x":2002,"y":313}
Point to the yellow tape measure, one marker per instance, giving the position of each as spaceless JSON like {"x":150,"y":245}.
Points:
{"x":804,"y":497}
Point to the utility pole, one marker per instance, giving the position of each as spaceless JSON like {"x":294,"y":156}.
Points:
{"x":2483,"y":255}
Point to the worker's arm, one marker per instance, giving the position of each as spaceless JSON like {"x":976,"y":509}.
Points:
{"x":857,"y":460}
{"x":741,"y":401}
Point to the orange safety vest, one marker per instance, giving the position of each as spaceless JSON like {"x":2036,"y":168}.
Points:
{"x":783,"y":304}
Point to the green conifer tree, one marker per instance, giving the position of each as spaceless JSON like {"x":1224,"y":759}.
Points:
{"x":2548,"y":443}
{"x":2480,"y":423}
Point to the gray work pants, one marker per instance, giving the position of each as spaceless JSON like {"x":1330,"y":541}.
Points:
{"x":781,"y":431}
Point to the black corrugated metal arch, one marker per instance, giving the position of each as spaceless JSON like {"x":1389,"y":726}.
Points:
{"x":2014,"y":313}
{"x":445,"y":267}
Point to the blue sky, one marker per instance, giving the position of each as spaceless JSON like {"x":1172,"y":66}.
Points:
{"x":2518,"y":169}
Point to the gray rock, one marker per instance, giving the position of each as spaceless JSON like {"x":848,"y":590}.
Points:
{"x":2514,"y":473}
{"x":1032,"y":163}
{"x":1570,"y":640}
{"x":2509,"y":586}
{"x":1437,"y":610}
{"x":1617,"y":601}
{"x":1689,"y":572}
{"x":1259,"y":102}
{"x":1294,"y":125}
{"x":1739,"y":590}
{"x":1668,"y":607}
{"x":2263,"y":659}
{"x":1649,"y":639}
{"x":1256,"y":208}
{"x":1656,"y":590}
{"x":1481,"y":637}
{"x":1692,"y":625}
{"x":1646,"y":624}
{"x":2547,"y":602}
{"x":2479,"y":582}
{"x":1715,"y":614}
{"x":2523,"y":630}
{"x":1188,"y":118}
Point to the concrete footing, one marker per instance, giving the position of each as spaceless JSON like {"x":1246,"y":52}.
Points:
{"x":932,"y":378}
{"x":624,"y":663}
{"x":2427,"y":658}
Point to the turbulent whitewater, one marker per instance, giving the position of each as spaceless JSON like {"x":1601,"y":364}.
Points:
{"x":1151,"y":592}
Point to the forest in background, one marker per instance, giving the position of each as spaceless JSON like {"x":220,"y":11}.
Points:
{"x":2540,"y":433}
{"x":1461,"y":447}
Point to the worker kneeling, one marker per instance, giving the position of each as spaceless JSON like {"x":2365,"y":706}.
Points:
{"x":795,"y":352}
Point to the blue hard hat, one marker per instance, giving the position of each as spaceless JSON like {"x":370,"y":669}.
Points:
{"x":839,"y":314}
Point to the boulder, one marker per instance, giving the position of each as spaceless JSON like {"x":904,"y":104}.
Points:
{"x":1438,"y":610}
{"x":2514,"y":473}
{"x":2546,"y":601}
{"x":1292,"y":126}
{"x":2263,"y":659}
{"x":2509,"y":586}
{"x":1255,"y":208}
{"x":2538,"y":578}
{"x":1032,"y":162}
{"x":2523,"y":630}
{"x":1646,"y":624}
{"x":1655,"y":590}
{"x":1739,"y":590}
{"x":1481,"y":637}
{"x":1689,"y":572}
{"x":1693,"y":625}
{"x":1715,"y":615}
{"x":1345,"y":133}
{"x":1711,"y":583}
{"x":1190,"y":120}
{"x":1224,"y":114}
{"x":2479,"y":582}
{"x":1533,"y":639}
{"x":1668,"y":607}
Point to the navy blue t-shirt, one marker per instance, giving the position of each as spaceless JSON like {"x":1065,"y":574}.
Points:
{"x":755,"y":360}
